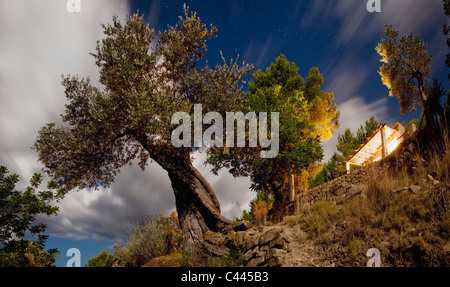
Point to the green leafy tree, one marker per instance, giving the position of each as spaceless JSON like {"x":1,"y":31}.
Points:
{"x":301,"y":107}
{"x":406,"y":73}
{"x":259,"y":208}
{"x":18,"y":210}
{"x":129,"y":117}
{"x":324,"y":115}
{"x":324,"y":118}
{"x":366,"y":131}
{"x":347,"y":143}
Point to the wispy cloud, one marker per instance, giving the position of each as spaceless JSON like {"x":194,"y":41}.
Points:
{"x":259,"y":54}
{"x":354,"y":112}
{"x":40,"y":41}
{"x":356,"y":24}
{"x":153,"y":14}
{"x":345,"y":78}
{"x":417,"y":16}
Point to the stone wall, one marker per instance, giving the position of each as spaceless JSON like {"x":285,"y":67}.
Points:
{"x":264,"y":247}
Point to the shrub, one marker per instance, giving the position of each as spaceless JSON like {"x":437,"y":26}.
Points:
{"x":356,"y":250}
{"x":18,"y":211}
{"x":26,"y":253}
{"x":153,"y":237}
{"x":104,"y":259}
{"x":319,"y":221}
{"x":146,"y":241}
{"x":259,"y":209}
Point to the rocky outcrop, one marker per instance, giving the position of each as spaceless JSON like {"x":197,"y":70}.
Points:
{"x":263,"y":247}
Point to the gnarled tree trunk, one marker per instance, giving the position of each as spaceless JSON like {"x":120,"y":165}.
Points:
{"x":197,"y":205}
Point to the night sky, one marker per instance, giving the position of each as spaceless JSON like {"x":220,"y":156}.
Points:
{"x":40,"y":40}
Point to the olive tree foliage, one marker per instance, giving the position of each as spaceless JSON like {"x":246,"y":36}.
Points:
{"x":128,"y":118}
{"x":406,"y":72}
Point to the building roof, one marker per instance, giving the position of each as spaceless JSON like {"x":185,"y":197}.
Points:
{"x":372,"y":150}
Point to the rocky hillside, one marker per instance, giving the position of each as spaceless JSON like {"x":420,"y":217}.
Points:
{"x":399,"y":206}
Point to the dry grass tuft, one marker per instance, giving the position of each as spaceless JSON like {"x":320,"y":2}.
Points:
{"x":404,"y":212}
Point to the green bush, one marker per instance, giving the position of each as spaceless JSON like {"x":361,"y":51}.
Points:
{"x":26,"y":253}
{"x":18,"y":210}
{"x":104,"y":259}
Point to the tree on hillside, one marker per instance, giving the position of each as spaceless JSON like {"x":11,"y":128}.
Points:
{"x":406,"y":73}
{"x":324,"y":114}
{"x":259,"y":208}
{"x":129,"y":117}
{"x":299,"y":146}
{"x":324,"y":118}
{"x":18,"y":210}
{"x":307,"y":115}
{"x":348,"y":143}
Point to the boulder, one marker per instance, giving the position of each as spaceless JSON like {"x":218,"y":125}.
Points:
{"x":240,"y":238}
{"x":278,"y":242}
{"x":239,"y":226}
{"x":268,"y":236}
{"x":251,"y":238}
{"x":275,"y":252}
{"x":214,"y":237}
{"x":255,"y":262}
{"x":274,"y":262}
{"x":251,"y":254}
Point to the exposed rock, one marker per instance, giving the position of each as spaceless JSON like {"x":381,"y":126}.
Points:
{"x":239,"y":226}
{"x":415,"y":188}
{"x":214,"y":237}
{"x":276,"y":252}
{"x":251,"y":238}
{"x":274,"y":262}
{"x":266,"y":247}
{"x":255,"y":262}
{"x":278,"y":242}
{"x":240,"y":239}
{"x":251,"y":254}
{"x":229,"y":238}
{"x":268,"y":236}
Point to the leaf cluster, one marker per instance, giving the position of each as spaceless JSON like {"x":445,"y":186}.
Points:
{"x":18,"y":211}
